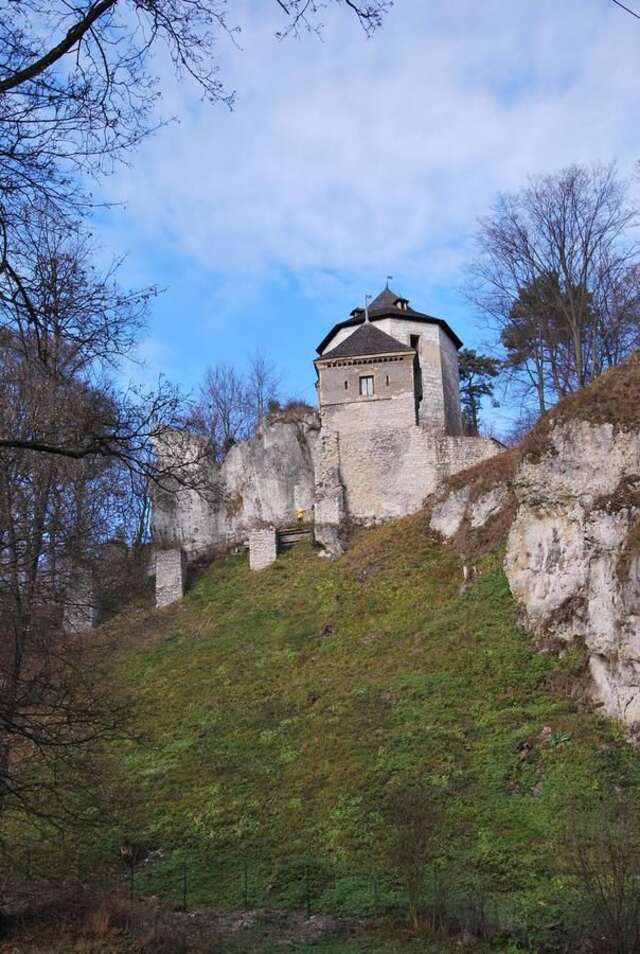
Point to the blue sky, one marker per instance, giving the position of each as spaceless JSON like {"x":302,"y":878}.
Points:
{"x":347,"y":159}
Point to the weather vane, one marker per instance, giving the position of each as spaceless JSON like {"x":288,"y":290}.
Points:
{"x":389,"y":279}
{"x":367,"y":299}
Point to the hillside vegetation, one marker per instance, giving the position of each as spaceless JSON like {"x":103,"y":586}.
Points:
{"x":298,"y":730}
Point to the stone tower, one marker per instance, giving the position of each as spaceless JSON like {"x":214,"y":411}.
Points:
{"x":392,"y":367}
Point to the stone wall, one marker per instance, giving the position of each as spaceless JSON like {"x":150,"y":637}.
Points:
{"x":363,"y":464}
{"x":187,"y":509}
{"x":170,"y":575}
{"x":263,"y":548}
{"x":450,"y":384}
{"x":397,"y":412}
{"x":438,"y":357}
{"x":80,"y":612}
{"x":340,"y":381}
{"x":265,"y":480}
{"x":389,"y":472}
{"x":329,"y":505}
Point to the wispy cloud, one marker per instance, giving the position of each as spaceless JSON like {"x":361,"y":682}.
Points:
{"x":347,"y":159}
{"x":357,"y":154}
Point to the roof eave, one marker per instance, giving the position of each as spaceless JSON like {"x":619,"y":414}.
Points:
{"x":357,"y":357}
{"x":407,"y":315}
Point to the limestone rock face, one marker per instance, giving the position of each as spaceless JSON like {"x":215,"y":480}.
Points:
{"x":449,"y":511}
{"x":568,"y":505}
{"x":268,"y":479}
{"x":264,"y":481}
{"x":571,"y":556}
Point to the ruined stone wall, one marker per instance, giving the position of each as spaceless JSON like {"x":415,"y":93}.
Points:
{"x":366,"y":463}
{"x":265,"y":480}
{"x":268,"y":479}
{"x":263,"y":548}
{"x":80,"y":611}
{"x":329,"y":503}
{"x":187,"y":509}
{"x":170,"y":575}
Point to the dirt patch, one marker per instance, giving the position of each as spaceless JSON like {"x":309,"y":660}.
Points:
{"x":88,"y":919}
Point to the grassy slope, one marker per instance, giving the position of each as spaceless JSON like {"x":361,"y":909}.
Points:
{"x":280,"y":711}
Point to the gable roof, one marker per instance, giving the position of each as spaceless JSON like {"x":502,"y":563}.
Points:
{"x":366,"y":340}
{"x":385,"y":305}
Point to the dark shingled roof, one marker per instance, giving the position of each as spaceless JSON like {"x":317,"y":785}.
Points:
{"x":366,"y":340}
{"x":385,"y":306}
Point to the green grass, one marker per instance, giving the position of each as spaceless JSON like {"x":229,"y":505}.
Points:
{"x":279,"y":713}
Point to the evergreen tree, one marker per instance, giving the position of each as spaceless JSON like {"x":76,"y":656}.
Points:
{"x":477,"y":372}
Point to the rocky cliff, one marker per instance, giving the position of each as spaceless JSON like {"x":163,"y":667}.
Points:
{"x":567,"y":505}
{"x":263,"y":481}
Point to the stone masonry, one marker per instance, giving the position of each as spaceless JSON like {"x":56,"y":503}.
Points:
{"x":170,"y":575}
{"x":80,"y":611}
{"x":388,"y":430}
{"x":263,"y":548}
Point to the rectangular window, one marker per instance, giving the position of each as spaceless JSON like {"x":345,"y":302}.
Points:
{"x":415,"y":342}
{"x":387,"y":381}
{"x":366,"y":385}
{"x":346,"y":385}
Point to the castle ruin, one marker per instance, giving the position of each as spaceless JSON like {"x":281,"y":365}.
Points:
{"x":387,"y":431}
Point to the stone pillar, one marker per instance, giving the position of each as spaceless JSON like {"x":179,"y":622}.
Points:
{"x":80,"y":610}
{"x":263,"y":548}
{"x":170,"y":575}
{"x":329,"y":506}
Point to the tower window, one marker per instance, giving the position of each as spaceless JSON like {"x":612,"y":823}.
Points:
{"x":346,"y":385}
{"x":387,"y":380}
{"x":366,"y":385}
{"x":415,"y":342}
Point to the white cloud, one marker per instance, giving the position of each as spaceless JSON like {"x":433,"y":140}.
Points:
{"x":350,"y":155}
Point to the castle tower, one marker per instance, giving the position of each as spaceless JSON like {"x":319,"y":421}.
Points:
{"x":391,"y":367}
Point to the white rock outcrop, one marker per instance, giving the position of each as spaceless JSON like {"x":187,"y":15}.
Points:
{"x":267,"y":480}
{"x":571,"y":560}
{"x":569,"y":507}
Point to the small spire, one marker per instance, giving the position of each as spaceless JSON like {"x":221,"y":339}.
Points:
{"x":367,"y":299}
{"x":389,"y":279}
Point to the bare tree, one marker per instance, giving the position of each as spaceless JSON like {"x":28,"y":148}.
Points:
{"x":72,"y":326}
{"x":222,"y":412}
{"x":232,"y":404}
{"x":77,"y":90}
{"x":415,"y":820}
{"x":603,"y":843}
{"x":73,"y":475}
{"x":558,"y":274}
{"x":623,"y":6}
{"x":262,"y":387}
{"x":77,"y":87}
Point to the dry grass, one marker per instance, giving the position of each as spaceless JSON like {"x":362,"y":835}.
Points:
{"x":471,"y":543}
{"x":613,"y":398}
{"x":488,"y":474}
